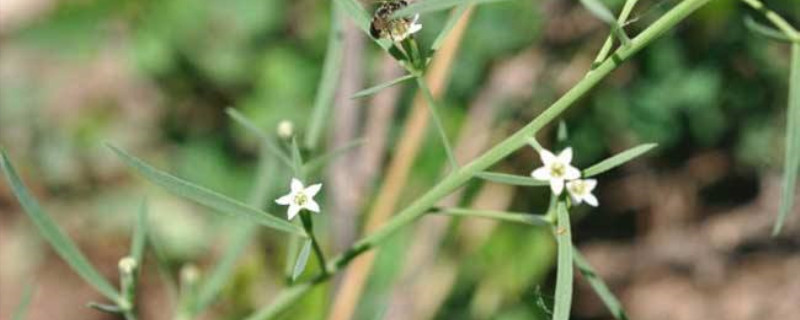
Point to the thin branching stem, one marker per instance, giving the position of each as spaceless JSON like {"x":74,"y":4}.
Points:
{"x":437,"y":121}
{"x":775,"y":19}
{"x":463,"y":174}
{"x":309,"y":226}
{"x":627,"y":8}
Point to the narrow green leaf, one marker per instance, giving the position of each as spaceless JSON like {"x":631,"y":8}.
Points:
{"x":62,"y":244}
{"x":599,"y":287}
{"x":426,"y":6}
{"x":264,"y":138}
{"x":792,"y":162}
{"x":326,"y":89}
{"x":21,"y":311}
{"x":618,"y":159}
{"x":511,"y":179}
{"x":524,"y":218}
{"x":205,"y":197}
{"x":140,"y":234}
{"x":450,"y":23}
{"x":291,"y":259}
{"x":357,"y":13}
{"x":107,"y":308}
{"x":437,"y":121}
{"x":563,"y":133}
{"x":302,"y":260}
{"x":373,"y":90}
{"x":297,"y":161}
{"x":765,"y":31}
{"x":601,"y":12}
{"x":564,"y":277}
{"x":320,"y":162}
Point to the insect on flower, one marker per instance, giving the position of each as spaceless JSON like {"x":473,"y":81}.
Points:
{"x":395,"y":29}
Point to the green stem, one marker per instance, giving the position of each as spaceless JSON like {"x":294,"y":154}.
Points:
{"x":627,"y":8}
{"x":437,"y":120}
{"x":331,"y":71}
{"x":494,"y":155}
{"x":776,"y":19}
{"x":524,"y":218}
{"x":308,"y":224}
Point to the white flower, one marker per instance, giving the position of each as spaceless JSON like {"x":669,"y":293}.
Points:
{"x":300,"y":198}
{"x":285,"y":129}
{"x":127,"y":265}
{"x":556,"y":169}
{"x":406,"y":29}
{"x":581,"y":190}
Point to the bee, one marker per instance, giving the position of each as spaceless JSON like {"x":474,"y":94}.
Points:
{"x":384,"y":26}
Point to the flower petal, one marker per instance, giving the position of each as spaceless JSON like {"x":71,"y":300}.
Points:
{"x":414,"y":28}
{"x":293,"y":210}
{"x":577,"y":199}
{"x":566,"y":155}
{"x":297,"y":185}
{"x":541,"y":174}
{"x":312,"y":190}
{"x":557,"y":185}
{"x":547,"y":157}
{"x":571,"y":173}
{"x":590,"y":184}
{"x":285,"y":200}
{"x":312,"y":205}
{"x":591,"y":200}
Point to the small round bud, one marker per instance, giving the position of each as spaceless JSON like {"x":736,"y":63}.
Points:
{"x":285,"y":129}
{"x":127,"y":265}
{"x":190,"y":273}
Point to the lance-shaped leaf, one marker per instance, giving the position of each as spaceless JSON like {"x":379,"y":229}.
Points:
{"x":139,"y":238}
{"x":373,"y":90}
{"x":62,"y":244}
{"x":456,"y":15}
{"x":511,"y":179}
{"x":618,"y":159}
{"x":320,"y":161}
{"x":264,"y":138}
{"x":21,"y":311}
{"x":765,"y":31}
{"x":331,"y":70}
{"x":564,"y":274}
{"x":302,"y":260}
{"x":599,"y":287}
{"x":792,"y":160}
{"x":205,"y":197}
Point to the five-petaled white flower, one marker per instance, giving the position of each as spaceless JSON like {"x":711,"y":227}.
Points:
{"x":300,"y":198}
{"x":581,"y":191}
{"x":406,"y":29}
{"x":557,"y":169}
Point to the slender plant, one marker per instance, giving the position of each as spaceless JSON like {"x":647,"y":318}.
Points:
{"x":393,"y":28}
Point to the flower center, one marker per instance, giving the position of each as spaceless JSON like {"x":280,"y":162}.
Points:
{"x":300,"y":199}
{"x":579,"y":187}
{"x":558,"y":170}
